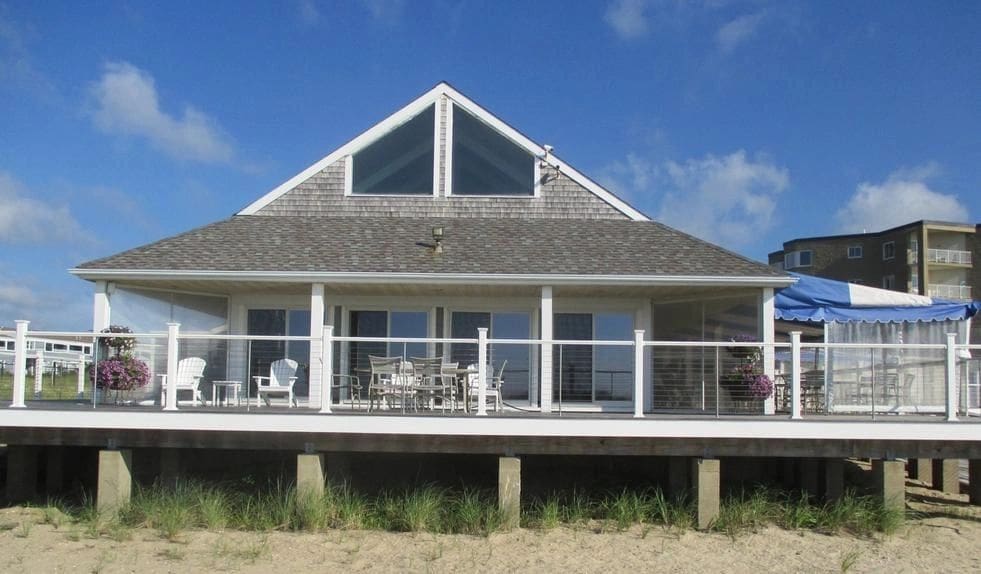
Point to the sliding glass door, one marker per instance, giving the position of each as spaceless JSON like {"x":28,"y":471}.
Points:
{"x":591,"y":373}
{"x":279,"y":322}
{"x":385,"y":324}
{"x":514,"y":359}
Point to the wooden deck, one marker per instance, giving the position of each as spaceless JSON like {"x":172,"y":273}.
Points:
{"x":71,"y":423}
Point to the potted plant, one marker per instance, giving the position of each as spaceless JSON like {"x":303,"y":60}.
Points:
{"x":121,"y":371}
{"x":746,"y":381}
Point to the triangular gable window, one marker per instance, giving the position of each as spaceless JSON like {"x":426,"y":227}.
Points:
{"x":400,"y":162}
{"x":485,"y":162}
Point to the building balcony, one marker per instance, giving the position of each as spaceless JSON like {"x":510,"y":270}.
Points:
{"x":950,"y":256}
{"x":950,"y":291}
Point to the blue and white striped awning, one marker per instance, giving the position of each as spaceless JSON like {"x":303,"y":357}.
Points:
{"x":822,"y":300}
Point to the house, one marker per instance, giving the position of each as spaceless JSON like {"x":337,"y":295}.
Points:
{"x":444,"y":232}
{"x":528,"y":247}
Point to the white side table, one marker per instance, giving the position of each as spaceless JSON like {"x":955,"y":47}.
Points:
{"x":231,"y":388}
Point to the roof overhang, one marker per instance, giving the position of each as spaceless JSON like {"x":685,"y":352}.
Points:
{"x":429,"y":278}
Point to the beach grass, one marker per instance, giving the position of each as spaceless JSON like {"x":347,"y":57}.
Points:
{"x":174,"y":509}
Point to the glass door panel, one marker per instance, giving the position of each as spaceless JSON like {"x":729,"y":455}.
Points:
{"x":410,"y":324}
{"x":517,"y":372}
{"x":298,"y":325}
{"x":464,"y":325}
{"x":572,"y":367}
{"x":366,"y":324}
{"x":265,"y":322}
{"x":613,"y":366}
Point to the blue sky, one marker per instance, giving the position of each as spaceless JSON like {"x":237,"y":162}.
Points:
{"x":744,"y":122}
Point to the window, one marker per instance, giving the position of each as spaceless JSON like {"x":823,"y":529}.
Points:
{"x":401,"y":162}
{"x":854,"y":251}
{"x":889,"y":282}
{"x":798,"y":259}
{"x":888,"y":250}
{"x":484,"y":162}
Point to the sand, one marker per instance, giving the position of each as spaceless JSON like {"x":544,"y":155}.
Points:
{"x":945,"y":535}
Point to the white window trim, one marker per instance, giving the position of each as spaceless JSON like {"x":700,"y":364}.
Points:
{"x":349,"y":158}
{"x":536,"y":186}
{"x":861,"y":252}
{"x":893,"y":244}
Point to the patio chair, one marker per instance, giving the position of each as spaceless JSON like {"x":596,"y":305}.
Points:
{"x":350,"y":382}
{"x":493,"y":391}
{"x":435,"y":380}
{"x":189,"y":373}
{"x":282,"y":377}
{"x":383,"y":383}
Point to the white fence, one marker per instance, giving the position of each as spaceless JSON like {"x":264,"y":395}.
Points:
{"x":632,"y":376}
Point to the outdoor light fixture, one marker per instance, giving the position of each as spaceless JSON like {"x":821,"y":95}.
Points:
{"x":438,"y":238}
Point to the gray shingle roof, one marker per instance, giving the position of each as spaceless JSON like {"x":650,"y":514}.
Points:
{"x":395,"y":244}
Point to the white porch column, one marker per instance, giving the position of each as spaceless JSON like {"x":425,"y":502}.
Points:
{"x":639,"y":374}
{"x":316,"y":330}
{"x":38,"y":372}
{"x":951,"y":378}
{"x":644,"y":320}
{"x":769,"y":338}
{"x":546,"y":335}
{"x":20,"y":364}
{"x":481,"y":372}
{"x":100,"y":306}
{"x":327,"y":361}
{"x":795,"y":375}
{"x":173,"y":329}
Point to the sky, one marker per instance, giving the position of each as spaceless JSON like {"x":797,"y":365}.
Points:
{"x":746,"y":123}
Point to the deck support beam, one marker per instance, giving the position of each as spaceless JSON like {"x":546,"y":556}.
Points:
{"x":170,"y":466}
{"x":946,"y":475}
{"x":974,"y":481}
{"x":890,"y":481}
{"x":705,"y":483}
{"x":834,"y":478}
{"x":21,"y":473}
{"x":920,"y":469}
{"x":509,"y":490}
{"x":310,"y":475}
{"x":115,"y":480}
{"x":54,"y":469}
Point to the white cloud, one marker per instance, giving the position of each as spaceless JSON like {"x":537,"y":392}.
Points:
{"x":628,"y":18}
{"x":309,"y":14}
{"x":127,"y":104}
{"x":735,"y":32}
{"x":67,"y":305}
{"x":24,"y":219}
{"x":728,"y":199}
{"x":903,"y":197}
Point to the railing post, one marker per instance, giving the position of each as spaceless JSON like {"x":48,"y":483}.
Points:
{"x":951,"y":376}
{"x":481,"y":372}
{"x":795,"y":375}
{"x":38,"y":372}
{"x":81,"y":376}
{"x":173,"y":329}
{"x":20,"y":364}
{"x":638,"y":373}
{"x":327,"y":367}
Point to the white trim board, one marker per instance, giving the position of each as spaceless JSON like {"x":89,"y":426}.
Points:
{"x":433,"y":278}
{"x":770,"y":428}
{"x":416,"y":106}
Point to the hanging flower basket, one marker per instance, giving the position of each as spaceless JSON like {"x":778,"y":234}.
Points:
{"x":746,"y":381}
{"x":122,"y":371}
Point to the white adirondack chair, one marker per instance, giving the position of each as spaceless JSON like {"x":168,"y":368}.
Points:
{"x":282,"y":377}
{"x":189,"y":373}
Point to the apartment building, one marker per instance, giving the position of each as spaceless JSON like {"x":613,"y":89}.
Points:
{"x":932,"y":258}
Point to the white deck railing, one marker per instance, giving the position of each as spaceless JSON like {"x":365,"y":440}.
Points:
{"x":949,"y":291}
{"x":635,"y":376}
